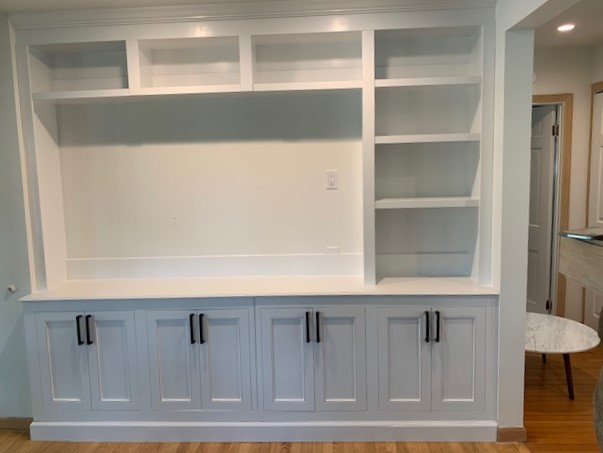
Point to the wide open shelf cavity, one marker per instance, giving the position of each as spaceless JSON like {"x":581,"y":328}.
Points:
{"x":189,"y":62}
{"x":428,"y":52}
{"x":307,"y":58}
{"x":427,"y":170}
{"x":204,"y":186}
{"x":421,"y":110}
{"x":426,"y":242}
{"x":78,"y":66}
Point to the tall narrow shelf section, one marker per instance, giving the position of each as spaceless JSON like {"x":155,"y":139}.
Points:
{"x":428,"y":124}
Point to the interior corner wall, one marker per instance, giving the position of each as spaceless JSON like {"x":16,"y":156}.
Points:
{"x":15,"y":400}
{"x":561,"y":70}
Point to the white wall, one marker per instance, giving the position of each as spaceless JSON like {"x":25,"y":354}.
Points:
{"x":569,"y":70}
{"x":14,"y":384}
{"x":598,"y":63}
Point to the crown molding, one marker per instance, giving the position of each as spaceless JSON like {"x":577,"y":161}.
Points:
{"x":234,"y":10}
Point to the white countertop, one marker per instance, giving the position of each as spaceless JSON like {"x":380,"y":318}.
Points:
{"x":257,"y":287}
{"x":552,"y":334}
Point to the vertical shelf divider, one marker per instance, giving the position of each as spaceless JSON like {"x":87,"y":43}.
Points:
{"x":246,"y":62}
{"x":368,"y":153}
{"x":133,"y":64}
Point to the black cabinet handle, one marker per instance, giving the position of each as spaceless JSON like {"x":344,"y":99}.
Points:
{"x":307,"y":327}
{"x":78,"y":328}
{"x":427,"y":327}
{"x":201,"y":335}
{"x":318,"y":327}
{"x":437,"y":338}
{"x":191,"y":322}
{"x":88,"y":338}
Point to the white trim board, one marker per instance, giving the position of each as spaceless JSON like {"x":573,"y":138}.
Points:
{"x":460,"y":431}
{"x":214,"y":10}
{"x":215,"y":266}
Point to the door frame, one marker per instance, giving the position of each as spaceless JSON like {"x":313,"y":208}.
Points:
{"x":566,"y":103}
{"x":595,"y":89}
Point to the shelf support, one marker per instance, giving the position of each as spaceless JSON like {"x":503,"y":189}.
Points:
{"x":368,"y":153}
{"x":246,"y":62}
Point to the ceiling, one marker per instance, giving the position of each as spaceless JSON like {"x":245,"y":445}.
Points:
{"x":588,"y":17}
{"x":37,"y":6}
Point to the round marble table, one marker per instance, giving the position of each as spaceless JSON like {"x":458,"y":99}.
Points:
{"x":548,"y":334}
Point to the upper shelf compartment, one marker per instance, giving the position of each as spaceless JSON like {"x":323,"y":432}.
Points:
{"x":307,"y":60}
{"x":189,"y":62}
{"x":78,"y":66}
{"x":427,"y":53}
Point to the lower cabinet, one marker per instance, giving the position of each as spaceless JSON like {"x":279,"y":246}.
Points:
{"x":88,"y":361}
{"x":432,"y":358}
{"x":341,"y":360}
{"x":313,"y":358}
{"x":200,"y":360}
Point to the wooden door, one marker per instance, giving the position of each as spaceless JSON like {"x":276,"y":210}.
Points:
{"x":287,"y":359}
{"x":595,"y":210}
{"x":113,"y":361}
{"x":541,"y":208}
{"x":226,"y":352}
{"x":340,"y":359}
{"x":63,"y":362}
{"x":458,"y":359}
{"x":404,"y":359}
{"x":173,"y":360}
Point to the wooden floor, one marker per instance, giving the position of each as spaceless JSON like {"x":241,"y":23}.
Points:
{"x":554,"y":423}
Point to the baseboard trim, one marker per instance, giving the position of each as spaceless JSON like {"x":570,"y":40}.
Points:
{"x":515,"y":434}
{"x":15,"y":423}
{"x":395,"y":431}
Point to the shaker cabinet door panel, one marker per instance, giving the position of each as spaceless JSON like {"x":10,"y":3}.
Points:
{"x":113,"y":361}
{"x":287,"y":360}
{"x":173,"y":361}
{"x":404,"y":360}
{"x":225,"y":359}
{"x":459,"y":360}
{"x":63,"y":362}
{"x":340,"y":360}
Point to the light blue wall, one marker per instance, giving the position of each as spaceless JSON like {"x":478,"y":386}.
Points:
{"x":14,"y":381}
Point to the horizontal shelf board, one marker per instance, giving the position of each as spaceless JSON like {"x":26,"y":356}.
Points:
{"x":422,"y":203}
{"x":80,"y":95}
{"x":426,"y":138}
{"x":122,"y":289}
{"x":196,"y":89}
{"x":297,"y":86}
{"x":428,"y":81}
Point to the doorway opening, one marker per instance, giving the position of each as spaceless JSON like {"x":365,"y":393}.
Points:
{"x":549,"y":200}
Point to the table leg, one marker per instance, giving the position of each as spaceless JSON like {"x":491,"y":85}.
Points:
{"x":543,"y":358}
{"x":568,"y":375}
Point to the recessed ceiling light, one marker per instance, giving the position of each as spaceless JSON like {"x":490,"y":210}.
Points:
{"x":566,"y":27}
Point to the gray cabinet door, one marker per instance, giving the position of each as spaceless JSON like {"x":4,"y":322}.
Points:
{"x":404,"y":359}
{"x":340,"y":359}
{"x":458,"y":359}
{"x":63,"y":362}
{"x":226,"y":379}
{"x":113,"y":361}
{"x":286,"y":360}
{"x":173,"y":361}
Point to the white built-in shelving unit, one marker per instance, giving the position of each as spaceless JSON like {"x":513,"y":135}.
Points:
{"x":163,"y":157}
{"x":195,"y":270}
{"x":428,"y":147}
